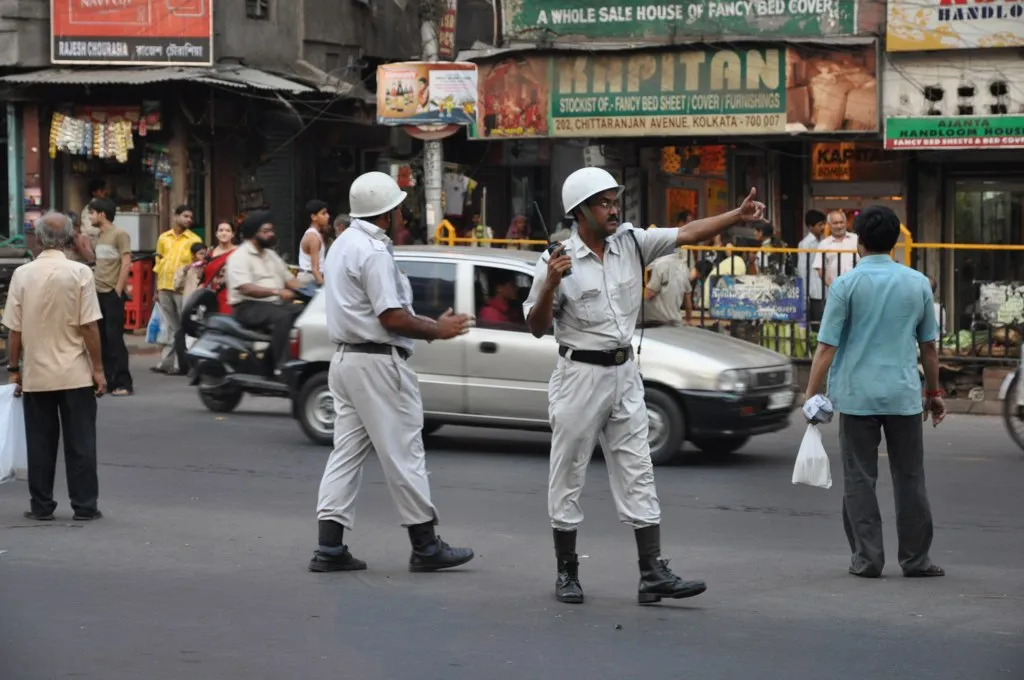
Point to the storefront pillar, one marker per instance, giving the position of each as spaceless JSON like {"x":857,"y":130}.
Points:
{"x":177,"y":194}
{"x":15,"y":174}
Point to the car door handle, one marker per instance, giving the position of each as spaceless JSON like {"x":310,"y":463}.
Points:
{"x":489,"y":347}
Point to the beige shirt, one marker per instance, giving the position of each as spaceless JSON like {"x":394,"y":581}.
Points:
{"x":596,"y":306}
{"x":110,"y":247}
{"x":49,"y":299}
{"x":669,"y":282}
{"x":265,"y":269}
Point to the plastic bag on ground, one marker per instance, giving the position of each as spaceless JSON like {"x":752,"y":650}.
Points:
{"x":13,"y":447}
{"x":812,"y":466}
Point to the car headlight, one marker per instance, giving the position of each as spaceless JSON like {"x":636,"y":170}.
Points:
{"x":733,"y":381}
{"x":789,"y":375}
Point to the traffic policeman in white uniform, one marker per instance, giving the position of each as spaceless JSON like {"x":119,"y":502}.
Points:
{"x":591,"y":288}
{"x":376,"y":395}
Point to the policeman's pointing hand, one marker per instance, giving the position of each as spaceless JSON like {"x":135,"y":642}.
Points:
{"x":451,"y":325}
{"x":751,"y":210}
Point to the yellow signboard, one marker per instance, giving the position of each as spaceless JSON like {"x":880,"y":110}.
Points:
{"x":923,"y":25}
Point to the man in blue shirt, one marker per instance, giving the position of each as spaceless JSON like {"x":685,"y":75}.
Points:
{"x":876,"y":317}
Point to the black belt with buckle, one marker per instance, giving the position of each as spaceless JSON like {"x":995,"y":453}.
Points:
{"x":375,"y":348}
{"x":608,"y":357}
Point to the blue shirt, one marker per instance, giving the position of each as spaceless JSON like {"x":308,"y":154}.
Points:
{"x":876,"y":315}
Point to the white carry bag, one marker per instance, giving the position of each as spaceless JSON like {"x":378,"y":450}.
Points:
{"x":13,"y":447}
{"x":812,"y":466}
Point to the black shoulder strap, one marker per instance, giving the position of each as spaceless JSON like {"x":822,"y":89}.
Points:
{"x":643,"y":291}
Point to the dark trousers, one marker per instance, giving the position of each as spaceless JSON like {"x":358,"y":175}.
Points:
{"x":272,"y":318}
{"x":47,"y":414}
{"x":859,"y":437}
{"x":115,"y":353}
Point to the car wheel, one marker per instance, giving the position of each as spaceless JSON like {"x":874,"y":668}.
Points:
{"x":430,"y":427}
{"x":315,"y":408}
{"x":720,"y":445}
{"x":223,"y":402}
{"x":667,"y":426}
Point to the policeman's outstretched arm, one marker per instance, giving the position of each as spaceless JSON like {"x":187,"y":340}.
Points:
{"x":544,"y":291}
{"x":447,"y":326}
{"x":705,"y":229}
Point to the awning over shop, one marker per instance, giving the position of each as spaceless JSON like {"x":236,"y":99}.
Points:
{"x":231,"y":76}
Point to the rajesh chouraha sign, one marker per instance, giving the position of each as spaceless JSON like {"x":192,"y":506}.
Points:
{"x":653,"y":21}
{"x":132,"y":32}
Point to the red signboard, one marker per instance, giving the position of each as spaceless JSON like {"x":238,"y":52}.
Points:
{"x":134,"y":32}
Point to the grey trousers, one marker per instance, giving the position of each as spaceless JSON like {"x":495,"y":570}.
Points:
{"x":859,"y":437}
{"x":170,"y":314}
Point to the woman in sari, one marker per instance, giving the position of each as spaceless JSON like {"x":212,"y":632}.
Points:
{"x":215,"y":275}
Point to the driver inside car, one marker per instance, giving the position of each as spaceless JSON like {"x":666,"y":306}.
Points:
{"x":261,"y":287}
{"x":504,"y":306}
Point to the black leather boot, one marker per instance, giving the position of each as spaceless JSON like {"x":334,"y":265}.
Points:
{"x":430,"y":553}
{"x":567,"y":585}
{"x":656,"y":579}
{"x":332,"y":553}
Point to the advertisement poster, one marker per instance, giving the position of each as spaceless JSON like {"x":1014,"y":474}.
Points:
{"x":134,"y":32}
{"x":693,"y":92}
{"x":422,"y":93}
{"x":668,"y":20}
{"x":923,"y":25}
{"x":757,"y":298}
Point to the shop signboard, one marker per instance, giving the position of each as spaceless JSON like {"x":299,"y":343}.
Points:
{"x":954,"y":101}
{"x":426,"y":93}
{"x":655,"y":21}
{"x":132,"y":32}
{"x":687,"y":91}
{"x":961,"y":132}
{"x":923,"y":25}
{"x":757,"y":298}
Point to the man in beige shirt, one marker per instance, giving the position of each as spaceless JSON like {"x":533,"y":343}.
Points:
{"x":260,"y":285}
{"x":113,"y":264}
{"x":52,"y":313}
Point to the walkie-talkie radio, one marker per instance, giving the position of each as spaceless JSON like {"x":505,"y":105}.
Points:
{"x":551,"y":253}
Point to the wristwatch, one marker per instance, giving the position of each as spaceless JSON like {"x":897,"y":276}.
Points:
{"x":13,"y":368}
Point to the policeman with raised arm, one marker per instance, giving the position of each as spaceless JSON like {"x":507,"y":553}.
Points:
{"x":376,"y":395}
{"x":591,"y":288}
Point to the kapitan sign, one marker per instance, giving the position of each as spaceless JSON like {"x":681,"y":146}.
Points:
{"x":132,"y":32}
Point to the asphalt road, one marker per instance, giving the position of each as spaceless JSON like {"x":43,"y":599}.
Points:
{"x":199,"y":568}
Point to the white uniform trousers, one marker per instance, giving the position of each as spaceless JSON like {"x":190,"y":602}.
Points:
{"x":377,"y":408}
{"x":587,"y":404}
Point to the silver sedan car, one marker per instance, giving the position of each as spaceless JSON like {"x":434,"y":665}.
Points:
{"x":703,"y":387}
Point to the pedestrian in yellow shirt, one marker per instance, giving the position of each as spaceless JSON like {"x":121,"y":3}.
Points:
{"x":173,"y":251}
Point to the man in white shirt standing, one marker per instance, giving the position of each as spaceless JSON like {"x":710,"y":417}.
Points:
{"x":811,"y":278}
{"x":830,"y":266}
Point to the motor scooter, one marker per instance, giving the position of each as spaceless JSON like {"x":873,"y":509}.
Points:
{"x":228,"y":360}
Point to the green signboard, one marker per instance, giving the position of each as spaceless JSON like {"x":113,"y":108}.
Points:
{"x":671,"y":93}
{"x":964,"y":132}
{"x":653,"y":21}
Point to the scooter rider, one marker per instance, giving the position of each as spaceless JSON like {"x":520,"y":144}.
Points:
{"x":259,"y":282}
{"x":376,"y":395}
{"x":596,"y":392}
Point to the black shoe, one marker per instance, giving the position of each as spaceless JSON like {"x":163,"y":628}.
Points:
{"x":430,"y":553}
{"x":567,"y":586}
{"x":38,"y":516}
{"x":344,"y":561}
{"x":932,"y":571}
{"x":87,"y":516}
{"x":658,"y":581}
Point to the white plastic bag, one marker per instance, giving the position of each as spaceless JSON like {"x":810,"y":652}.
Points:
{"x":812,"y":466}
{"x":13,"y":448}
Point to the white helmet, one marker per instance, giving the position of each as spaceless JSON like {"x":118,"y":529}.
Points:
{"x":373,"y":194}
{"x":584,"y":183}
